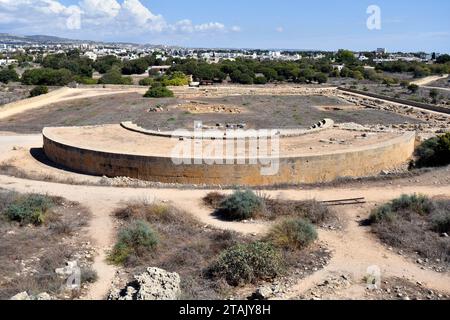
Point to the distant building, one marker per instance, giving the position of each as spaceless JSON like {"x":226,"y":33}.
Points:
{"x":7,"y":62}
{"x":91,"y":55}
{"x":159,"y":69}
{"x":339,"y":67}
{"x":381,"y":51}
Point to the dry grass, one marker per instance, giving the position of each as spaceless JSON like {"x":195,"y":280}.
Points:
{"x":188,"y":248}
{"x":30,"y":254}
{"x":184,"y":246}
{"x":409,"y":223}
{"x":274,"y":209}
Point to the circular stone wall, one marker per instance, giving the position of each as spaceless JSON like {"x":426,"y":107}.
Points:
{"x":115,"y":152}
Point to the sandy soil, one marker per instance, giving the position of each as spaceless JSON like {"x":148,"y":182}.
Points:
{"x":355,"y":244}
{"x":60,"y":95}
{"x":354,"y":248}
{"x":430,"y":79}
{"x":115,"y":139}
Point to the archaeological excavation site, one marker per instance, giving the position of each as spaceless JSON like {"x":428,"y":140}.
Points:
{"x":232,"y":146}
{"x":156,"y":199}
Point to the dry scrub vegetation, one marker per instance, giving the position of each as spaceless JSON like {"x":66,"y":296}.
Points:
{"x":38,"y":234}
{"x":416,"y":224}
{"x":246,"y":204}
{"x":212,"y":263}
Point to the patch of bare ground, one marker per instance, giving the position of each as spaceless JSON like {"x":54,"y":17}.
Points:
{"x":189,"y":248}
{"x":30,"y":252}
{"x":344,"y":287}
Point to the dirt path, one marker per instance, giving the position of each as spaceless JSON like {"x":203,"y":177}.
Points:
{"x":424,"y":81}
{"x":59,"y":95}
{"x":354,"y":249}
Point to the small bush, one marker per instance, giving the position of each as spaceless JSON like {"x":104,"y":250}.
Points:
{"x":39,"y":90}
{"x":88,"y":275}
{"x":29,"y":209}
{"x":154,"y":213}
{"x":293,"y":234}
{"x":247,"y":263}
{"x":405,"y":205}
{"x":311,"y":210}
{"x":158,"y":92}
{"x":434,"y":152}
{"x":383,"y":213}
{"x":213,"y":199}
{"x":135,"y":240}
{"x":440,"y":222}
{"x":146,"y":82}
{"x":241,"y":205}
{"x":419,"y":204}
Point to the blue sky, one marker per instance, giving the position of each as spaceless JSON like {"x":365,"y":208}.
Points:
{"x":328,"y":24}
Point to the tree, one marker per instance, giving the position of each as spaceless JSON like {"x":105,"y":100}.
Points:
{"x":413,"y":88}
{"x":434,"y":95}
{"x":114,"y":76}
{"x":138,"y":66}
{"x":357,"y":75}
{"x":39,"y":90}
{"x":72,"y":61}
{"x":443,"y":59}
{"x":47,"y":76}
{"x":260,"y":80}
{"x":104,"y":64}
{"x":346,"y":56}
{"x":346,"y":72}
{"x":7,"y":75}
{"x":158,"y":91}
{"x":320,"y":77}
{"x":421,"y":71}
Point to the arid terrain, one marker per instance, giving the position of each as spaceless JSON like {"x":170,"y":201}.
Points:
{"x":335,"y":266}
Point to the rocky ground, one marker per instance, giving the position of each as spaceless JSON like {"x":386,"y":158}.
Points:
{"x":11,"y":93}
{"x":342,"y":287}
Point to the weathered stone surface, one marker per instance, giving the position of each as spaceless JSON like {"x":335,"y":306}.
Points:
{"x":25,"y":296}
{"x":154,"y":284}
{"x":263,"y":293}
{"x":21,"y":296}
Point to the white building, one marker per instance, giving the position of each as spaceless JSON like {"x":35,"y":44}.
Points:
{"x":91,"y":55}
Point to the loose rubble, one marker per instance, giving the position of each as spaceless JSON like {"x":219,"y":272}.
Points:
{"x":154,"y":284}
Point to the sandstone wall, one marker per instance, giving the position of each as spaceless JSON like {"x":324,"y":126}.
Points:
{"x":369,"y":160}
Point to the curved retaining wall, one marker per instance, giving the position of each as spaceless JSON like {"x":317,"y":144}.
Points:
{"x":301,"y":169}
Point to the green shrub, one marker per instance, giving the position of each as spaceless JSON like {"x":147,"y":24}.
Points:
{"x":114,"y":76}
{"x":434,"y":152}
{"x":85,"y":80}
{"x":247,"y":263}
{"x":137,"y":239}
{"x":30,"y":208}
{"x":158,"y":92}
{"x":293,"y":234}
{"x":39,"y":90}
{"x":261,"y":80}
{"x":241,"y":205}
{"x":418,"y":204}
{"x":146,"y":82}
{"x":383,"y":213}
{"x":47,"y":76}
{"x":7,"y":75}
{"x":440,"y":222}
